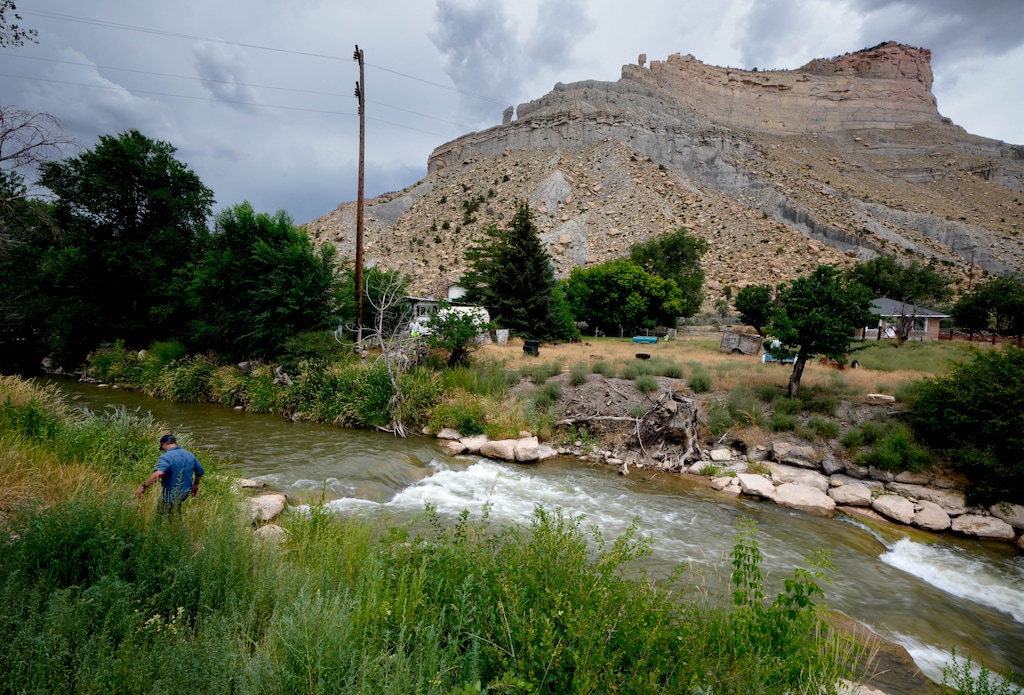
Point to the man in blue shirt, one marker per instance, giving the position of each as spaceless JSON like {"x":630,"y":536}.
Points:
{"x":178,"y":471}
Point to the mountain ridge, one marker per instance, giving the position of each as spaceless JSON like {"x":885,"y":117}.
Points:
{"x":840,"y":160}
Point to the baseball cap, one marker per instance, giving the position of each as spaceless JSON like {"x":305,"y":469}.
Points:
{"x":167,"y":439}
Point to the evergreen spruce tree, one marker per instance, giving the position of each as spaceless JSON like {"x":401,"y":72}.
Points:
{"x":511,"y":274}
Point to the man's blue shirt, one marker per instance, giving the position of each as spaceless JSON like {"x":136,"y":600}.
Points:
{"x":178,"y":467}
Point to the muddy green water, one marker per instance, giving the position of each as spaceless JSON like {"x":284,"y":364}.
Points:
{"x":930,"y":593}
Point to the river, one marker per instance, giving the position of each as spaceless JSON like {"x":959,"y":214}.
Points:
{"x":930,"y":593}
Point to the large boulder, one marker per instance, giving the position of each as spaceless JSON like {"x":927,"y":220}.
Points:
{"x":983,"y":527}
{"x":475,"y":443}
{"x":529,"y":449}
{"x":952,"y":502}
{"x":930,"y":516}
{"x":800,"y":455}
{"x":755,"y":485}
{"x":804,"y":498}
{"x":801,"y":476}
{"x":504,"y":449}
{"x":851,"y":495}
{"x":894,"y":507}
{"x":1013,"y":514}
{"x":453,"y":447}
{"x":266,"y":508}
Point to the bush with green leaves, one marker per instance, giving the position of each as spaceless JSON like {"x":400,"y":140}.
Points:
{"x":887,"y":444}
{"x":744,"y":407}
{"x":975,"y":416}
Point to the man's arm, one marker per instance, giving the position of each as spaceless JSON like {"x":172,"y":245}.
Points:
{"x":153,"y":477}
{"x":195,"y":484}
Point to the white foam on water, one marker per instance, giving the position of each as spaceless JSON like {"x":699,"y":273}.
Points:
{"x":929,"y":658}
{"x":957,"y":573}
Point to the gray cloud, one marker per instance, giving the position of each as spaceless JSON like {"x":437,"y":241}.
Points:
{"x":952,"y":29}
{"x":222,"y":70}
{"x":483,"y":54}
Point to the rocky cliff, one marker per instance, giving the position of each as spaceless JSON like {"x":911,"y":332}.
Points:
{"x":839,"y":160}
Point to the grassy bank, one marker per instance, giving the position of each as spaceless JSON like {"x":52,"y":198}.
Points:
{"x":100,"y":594}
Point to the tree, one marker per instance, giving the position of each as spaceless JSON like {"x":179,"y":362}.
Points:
{"x":976,"y":415}
{"x":912,"y":284}
{"x":997,"y":304}
{"x":816,"y":315}
{"x":131,"y":216}
{"x":675,"y":256}
{"x":260,"y":282}
{"x":511,"y":274}
{"x":755,"y":304}
{"x":908,"y":285}
{"x":12,"y":34}
{"x":621,"y":296}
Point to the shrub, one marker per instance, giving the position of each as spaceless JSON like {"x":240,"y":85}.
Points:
{"x":896,"y":451}
{"x":647,"y":383}
{"x":460,"y":411}
{"x":787,"y":406}
{"x":719,"y":419}
{"x":700,"y":381}
{"x":783,"y":422}
{"x":638,"y":410}
{"x":976,"y":416}
{"x":961,"y":678}
{"x":824,"y":428}
{"x":187,"y":381}
{"x":744,"y":407}
{"x":602,"y":367}
{"x":664,"y":367}
{"x":578,"y":373}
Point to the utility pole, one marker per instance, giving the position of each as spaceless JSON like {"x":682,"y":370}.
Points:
{"x":361,"y":98}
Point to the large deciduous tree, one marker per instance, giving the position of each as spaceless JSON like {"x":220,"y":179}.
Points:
{"x":260,"y":282}
{"x":909,"y":285}
{"x":997,"y":304}
{"x":817,"y":315}
{"x":130,"y":215}
{"x":675,"y":256}
{"x":620,"y":296}
{"x":511,"y":274}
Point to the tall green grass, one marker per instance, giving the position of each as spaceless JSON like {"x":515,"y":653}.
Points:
{"x":932,"y":357}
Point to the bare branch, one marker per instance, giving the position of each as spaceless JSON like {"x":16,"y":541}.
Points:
{"x":28,"y":139}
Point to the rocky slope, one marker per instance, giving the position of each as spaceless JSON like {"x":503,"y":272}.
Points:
{"x":842,"y":159}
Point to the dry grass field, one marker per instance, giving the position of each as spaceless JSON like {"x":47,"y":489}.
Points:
{"x":731,"y":370}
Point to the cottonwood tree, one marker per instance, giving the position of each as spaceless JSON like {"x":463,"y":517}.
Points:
{"x":260,"y":281}
{"x":621,"y":296}
{"x":675,"y":256}
{"x":817,"y":315}
{"x":131,"y":215}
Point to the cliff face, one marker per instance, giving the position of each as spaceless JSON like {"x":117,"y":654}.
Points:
{"x":839,"y":160}
{"x":885,"y":87}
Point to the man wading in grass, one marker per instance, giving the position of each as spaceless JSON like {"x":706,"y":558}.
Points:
{"x":178,"y":471}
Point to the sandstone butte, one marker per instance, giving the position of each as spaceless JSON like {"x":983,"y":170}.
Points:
{"x":840,"y":160}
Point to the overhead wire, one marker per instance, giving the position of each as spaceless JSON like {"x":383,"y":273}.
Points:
{"x":240,"y":44}
{"x":228,"y":82}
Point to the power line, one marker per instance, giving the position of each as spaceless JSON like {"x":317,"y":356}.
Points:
{"x":177,"y":35}
{"x":218,"y":101}
{"x":229,"y":82}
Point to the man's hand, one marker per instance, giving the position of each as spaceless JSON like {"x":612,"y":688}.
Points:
{"x":195,"y":489}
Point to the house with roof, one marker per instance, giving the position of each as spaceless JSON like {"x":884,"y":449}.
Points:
{"x":896,"y":317}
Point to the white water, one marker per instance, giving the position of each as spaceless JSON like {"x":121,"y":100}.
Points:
{"x":954,"y":571}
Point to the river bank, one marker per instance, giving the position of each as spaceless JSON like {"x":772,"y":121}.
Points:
{"x":928,"y":593}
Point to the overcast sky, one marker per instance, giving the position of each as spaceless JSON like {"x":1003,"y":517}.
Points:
{"x":257,"y":95}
